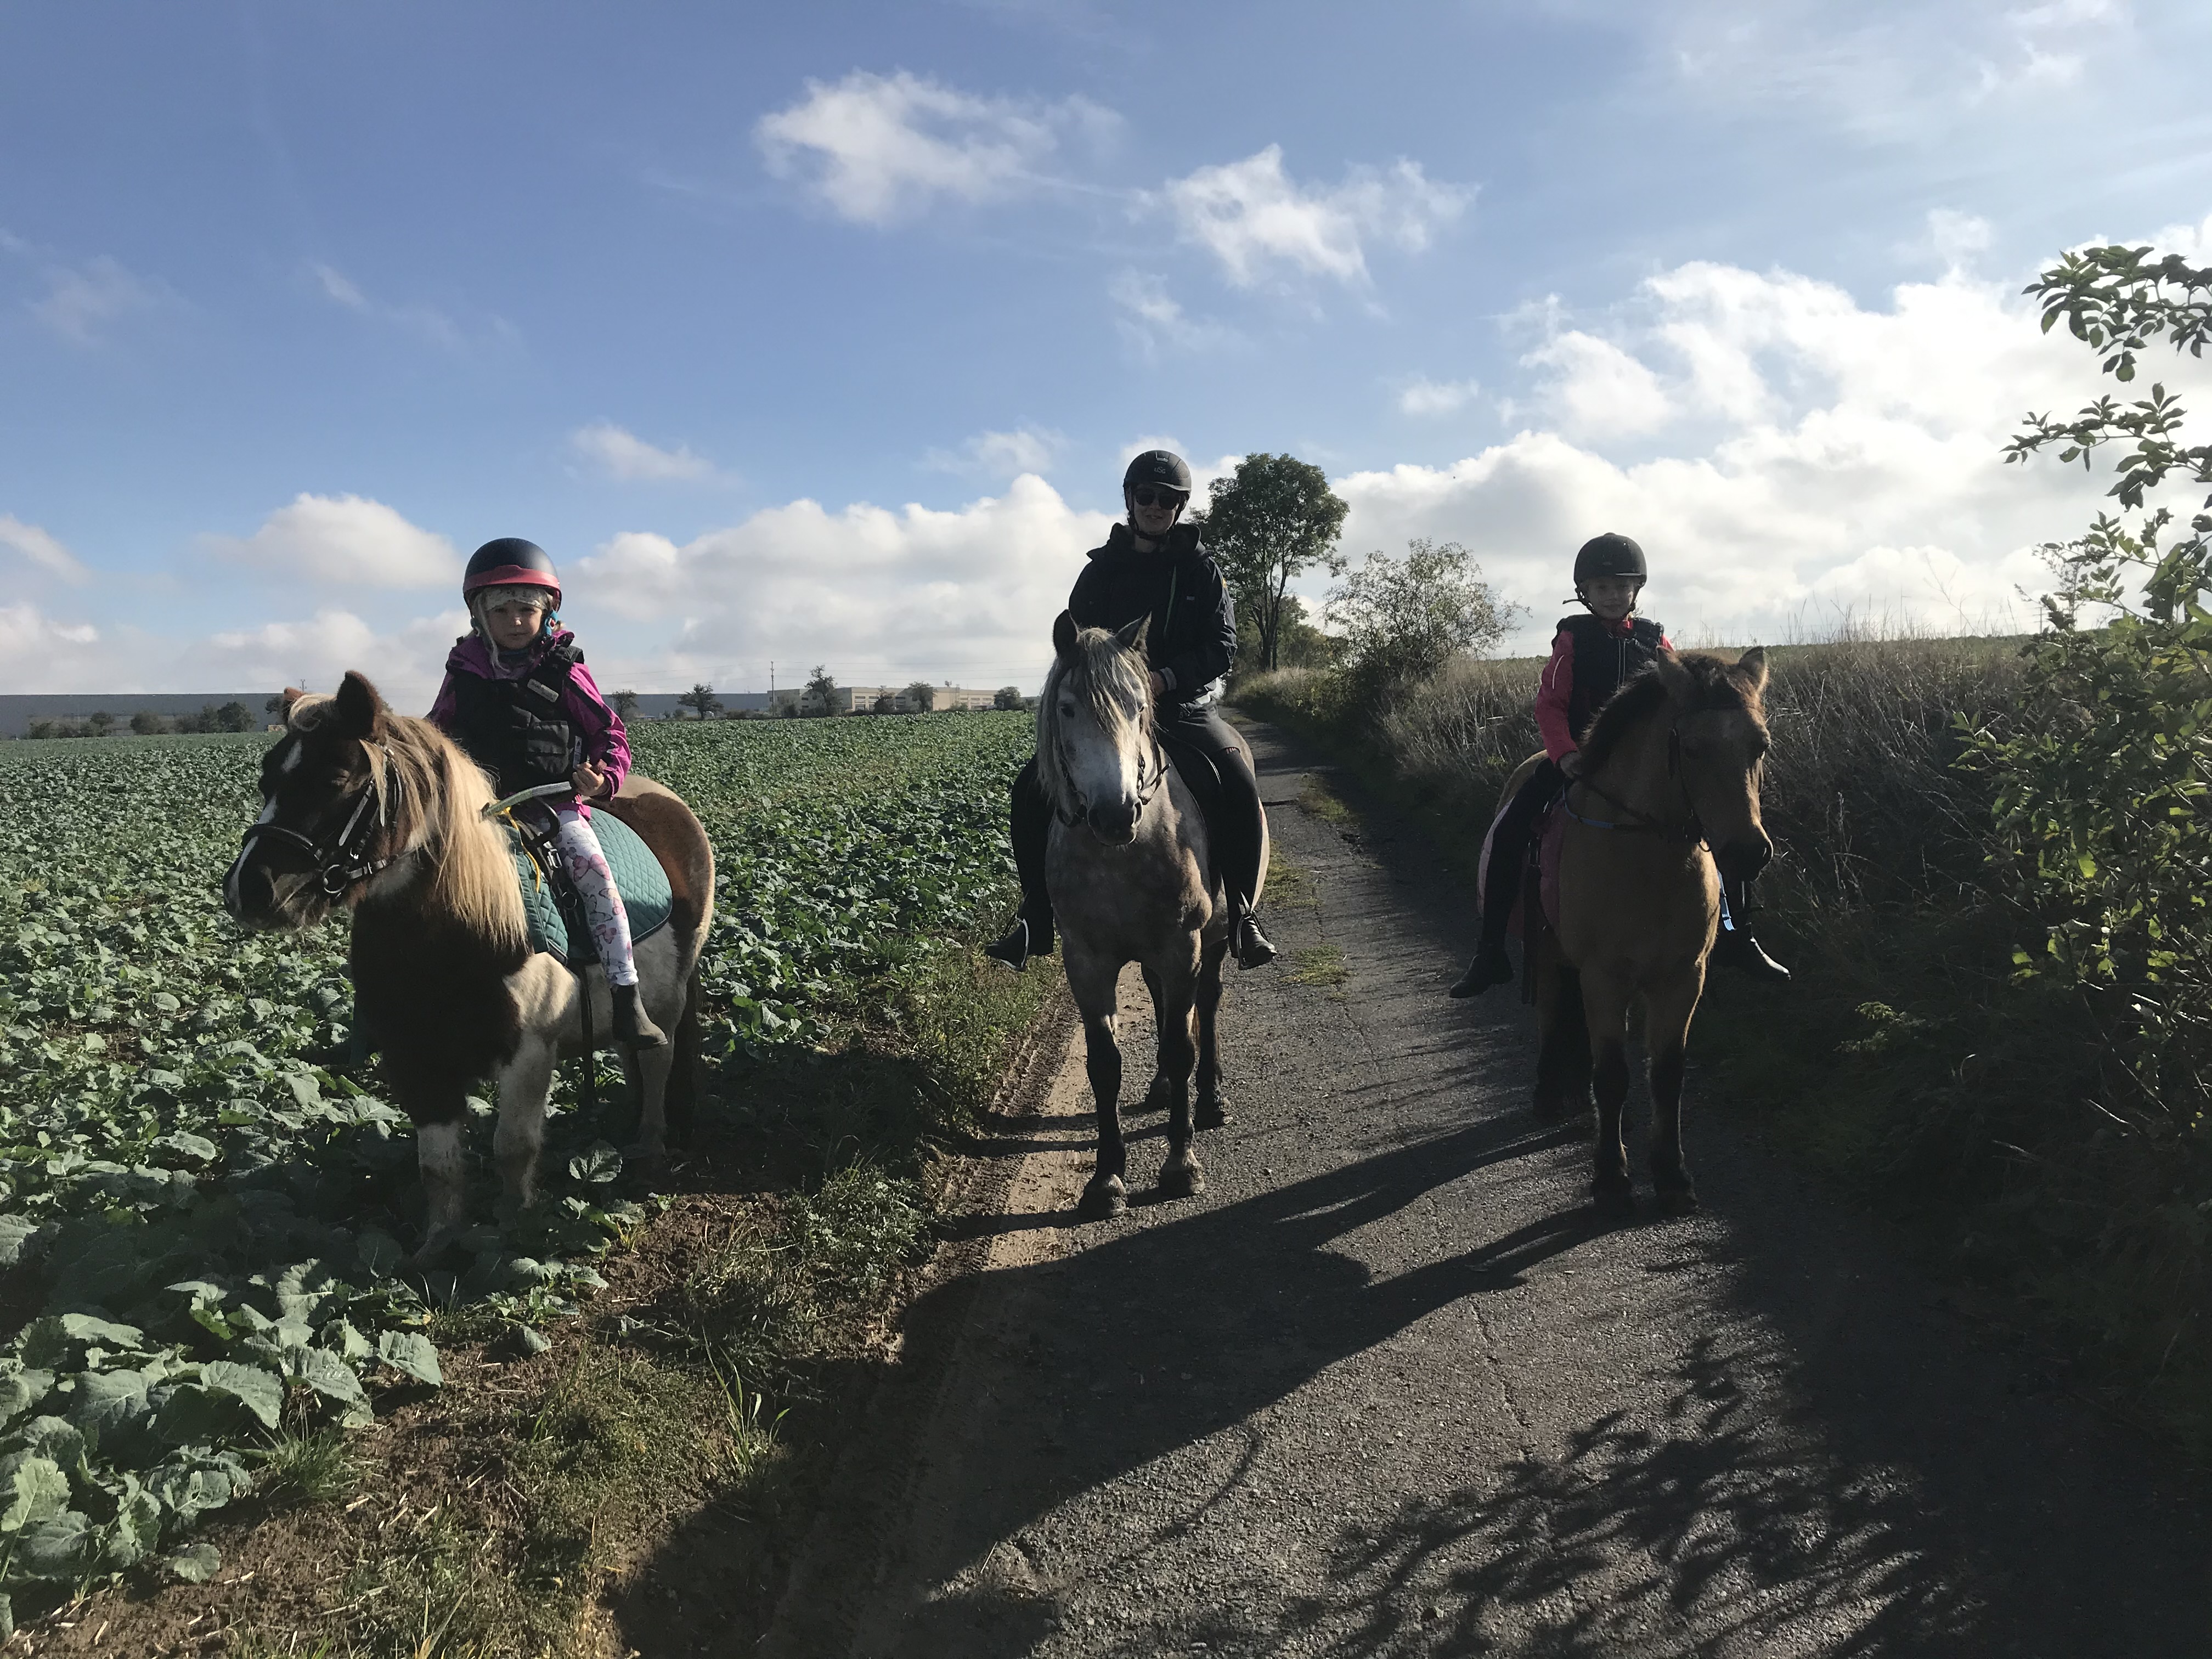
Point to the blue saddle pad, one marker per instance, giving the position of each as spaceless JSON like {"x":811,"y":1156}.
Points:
{"x":639,"y":879}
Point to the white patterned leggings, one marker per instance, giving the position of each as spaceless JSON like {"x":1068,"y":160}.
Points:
{"x":603,"y":905}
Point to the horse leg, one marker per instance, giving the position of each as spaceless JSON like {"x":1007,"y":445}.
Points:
{"x":649,"y":1070}
{"x":1562,"y":1038}
{"x":521,"y":1137}
{"x":1106,"y":1194}
{"x":439,"y":1155}
{"x":1667,"y":1013}
{"x":1180,"y":1176}
{"x":1157,"y":1095}
{"x":1605,"y":1006}
{"x":1213,"y":1106}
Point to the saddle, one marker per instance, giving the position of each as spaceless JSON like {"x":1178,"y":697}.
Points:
{"x":1539,"y":882}
{"x":555,"y":908}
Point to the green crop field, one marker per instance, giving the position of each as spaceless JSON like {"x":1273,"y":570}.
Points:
{"x":203,"y":1235}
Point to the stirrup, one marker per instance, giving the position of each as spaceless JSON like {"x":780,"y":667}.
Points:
{"x":1737,"y":949}
{"x":1014,"y":950}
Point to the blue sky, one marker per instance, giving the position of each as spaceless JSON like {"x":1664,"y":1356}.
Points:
{"x":821,"y":334}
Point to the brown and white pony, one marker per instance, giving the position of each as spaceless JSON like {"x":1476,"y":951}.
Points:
{"x":1668,"y":783}
{"x":383,"y":815}
{"x":1127,"y":865}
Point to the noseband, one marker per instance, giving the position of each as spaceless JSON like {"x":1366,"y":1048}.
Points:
{"x":1691,"y":834}
{"x":339,"y":862}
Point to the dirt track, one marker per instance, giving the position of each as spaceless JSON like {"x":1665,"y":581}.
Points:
{"x":1388,"y":1387}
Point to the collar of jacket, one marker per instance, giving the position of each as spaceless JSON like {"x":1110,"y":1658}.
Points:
{"x":1180,"y":541}
{"x":473,"y":655}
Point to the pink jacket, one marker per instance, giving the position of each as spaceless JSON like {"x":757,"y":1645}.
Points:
{"x":599,"y":729}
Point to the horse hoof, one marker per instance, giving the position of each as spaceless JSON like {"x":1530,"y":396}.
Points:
{"x":1103,"y":1200}
{"x":1617,"y":1201}
{"x":1182,"y":1180}
{"x":434,"y":1247}
{"x":1676,"y":1200}
{"x":1210,"y":1113}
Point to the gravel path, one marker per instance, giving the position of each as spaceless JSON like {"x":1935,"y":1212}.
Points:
{"x":1388,"y":1387}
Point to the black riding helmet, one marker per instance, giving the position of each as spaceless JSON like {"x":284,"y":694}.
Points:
{"x":1609,"y":555}
{"x":1158,"y":467}
{"x":510,"y":561}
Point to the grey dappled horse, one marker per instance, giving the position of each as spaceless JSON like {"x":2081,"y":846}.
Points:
{"x":1127,"y":865}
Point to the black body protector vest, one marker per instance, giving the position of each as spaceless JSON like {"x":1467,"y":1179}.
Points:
{"x":514,"y":729}
{"x":1604,"y":661}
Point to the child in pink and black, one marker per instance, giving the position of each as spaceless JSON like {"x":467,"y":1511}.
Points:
{"x":1592,"y":658}
{"x":518,"y":699}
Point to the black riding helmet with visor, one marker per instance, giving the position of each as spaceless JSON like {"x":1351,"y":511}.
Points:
{"x":1159,"y":478}
{"x":511,"y":561}
{"x":1612,"y":555}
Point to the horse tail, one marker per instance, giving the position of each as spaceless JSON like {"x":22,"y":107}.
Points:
{"x":687,"y":1073}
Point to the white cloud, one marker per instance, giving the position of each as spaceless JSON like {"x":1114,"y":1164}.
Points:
{"x":1798,"y":456}
{"x":1003,"y":454}
{"x":426,"y":322}
{"x":40,"y":548}
{"x":878,"y":596}
{"x":80,"y":301}
{"x":622,"y":454}
{"x":1598,"y":389}
{"x":345,"y":541}
{"x":1423,"y":396}
{"x":1150,"y":317}
{"x":1253,"y":217}
{"x":878,"y":149}
{"x":405,"y":664}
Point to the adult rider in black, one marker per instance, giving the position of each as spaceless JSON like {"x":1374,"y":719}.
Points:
{"x":1152,"y":566}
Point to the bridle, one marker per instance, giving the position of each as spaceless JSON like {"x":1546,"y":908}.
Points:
{"x":341,"y":861}
{"x":1692,"y":833}
{"x":1146,"y":788}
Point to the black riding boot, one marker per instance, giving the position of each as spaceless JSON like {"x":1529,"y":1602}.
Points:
{"x":634,"y":1027}
{"x":1733,"y":946}
{"x":1501,"y":891}
{"x":1250,"y":946}
{"x":1030,"y":826}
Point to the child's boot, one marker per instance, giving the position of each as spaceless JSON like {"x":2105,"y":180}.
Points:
{"x":634,"y":1027}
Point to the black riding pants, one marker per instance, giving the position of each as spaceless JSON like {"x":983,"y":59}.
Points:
{"x":1233,"y":824}
{"x":1509,"y":848}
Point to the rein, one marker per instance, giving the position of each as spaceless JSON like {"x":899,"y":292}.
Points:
{"x":340,"y":862}
{"x":1691,"y":834}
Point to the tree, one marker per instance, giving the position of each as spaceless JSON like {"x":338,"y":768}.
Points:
{"x":886,"y":702}
{"x":2104,"y":767}
{"x":1272,"y":518}
{"x":1007,"y":696}
{"x":101,"y":722}
{"x":1299,"y":645}
{"x":702,"y":698}
{"x":1403,"y":619}
{"x":821,"y":694}
{"x":920,"y":697}
{"x":146,"y":723}
{"x":625,"y":706}
{"x":232,"y":716}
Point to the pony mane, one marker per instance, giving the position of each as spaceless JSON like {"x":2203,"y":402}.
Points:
{"x":1715,"y":686}
{"x":440,"y":811}
{"x":1113,"y":680}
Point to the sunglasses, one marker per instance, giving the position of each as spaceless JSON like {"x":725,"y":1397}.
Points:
{"x":1145,"y":495}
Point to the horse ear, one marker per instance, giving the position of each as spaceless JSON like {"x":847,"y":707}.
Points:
{"x":287,"y":697}
{"x":1063,"y":637}
{"x":1753,"y":663}
{"x":357,"y":706}
{"x":1132,"y":637}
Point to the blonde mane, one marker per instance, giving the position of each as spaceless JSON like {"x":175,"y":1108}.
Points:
{"x":438,"y":810}
{"x":1113,"y":680}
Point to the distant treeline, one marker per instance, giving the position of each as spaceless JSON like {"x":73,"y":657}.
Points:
{"x":145,"y":723}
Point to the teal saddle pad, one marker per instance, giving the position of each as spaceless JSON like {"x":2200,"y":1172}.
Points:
{"x":639,"y":879}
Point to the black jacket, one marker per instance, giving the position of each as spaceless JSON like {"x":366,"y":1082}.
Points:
{"x":1193,"y":638}
{"x":1604,"y":662}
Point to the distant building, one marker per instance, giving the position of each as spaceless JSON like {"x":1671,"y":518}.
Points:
{"x":861,"y":699}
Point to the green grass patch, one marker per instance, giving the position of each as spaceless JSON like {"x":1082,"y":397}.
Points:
{"x":1319,"y":964}
{"x":1290,"y":886}
{"x":1313,"y":795}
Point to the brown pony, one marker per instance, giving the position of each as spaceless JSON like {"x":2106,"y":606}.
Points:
{"x":1668,"y":781}
{"x":384,"y":816}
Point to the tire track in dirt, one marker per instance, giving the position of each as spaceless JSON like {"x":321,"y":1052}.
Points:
{"x":1389,"y":1388}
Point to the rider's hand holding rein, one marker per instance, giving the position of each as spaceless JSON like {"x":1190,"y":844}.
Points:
{"x":590,"y":782}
